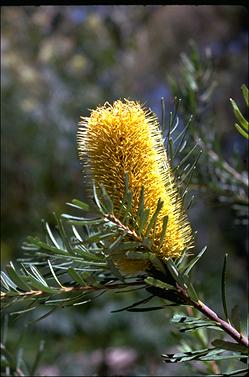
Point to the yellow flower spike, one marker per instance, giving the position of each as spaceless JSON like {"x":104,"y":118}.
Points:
{"x":124,"y":137}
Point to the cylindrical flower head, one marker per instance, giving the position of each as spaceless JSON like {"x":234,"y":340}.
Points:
{"x":125,"y":137}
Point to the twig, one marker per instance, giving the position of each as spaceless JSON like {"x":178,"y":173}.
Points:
{"x":204,"y":309}
{"x":85,"y":288}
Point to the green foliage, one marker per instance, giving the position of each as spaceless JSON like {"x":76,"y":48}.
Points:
{"x":13,"y":361}
{"x":242,"y":126}
{"x":195,"y":81}
{"x":77,"y":260}
{"x":225,"y":180}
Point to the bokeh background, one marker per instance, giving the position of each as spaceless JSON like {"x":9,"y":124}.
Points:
{"x":57,"y":63}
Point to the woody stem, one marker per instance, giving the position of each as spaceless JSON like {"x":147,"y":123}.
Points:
{"x":204,"y":309}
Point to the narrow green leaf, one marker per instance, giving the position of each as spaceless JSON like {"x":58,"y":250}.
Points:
{"x":10,"y":359}
{"x":147,"y":243}
{"x":114,"y":269}
{"x":4,"y":333}
{"x":241,"y":131}
{"x":20,"y":312}
{"x":143,"y":221}
{"x":158,"y":283}
{"x":156,"y":263}
{"x":97,"y":200}
{"x":96,"y":237}
{"x":42,"y":316}
{"x":236,"y":372}
{"x":208,"y":93}
{"x":80,"y":204}
{"x":154,"y":217}
{"x":19,"y":358}
{"x":115,"y":245}
{"x":82,"y":220}
{"x":185,"y":158}
{"x":54,"y":275}
{"x":245,"y":94}
{"x":235,"y":317}
{"x":243,"y":122}
{"x":192,"y":292}
{"x":183,"y":145}
{"x":223,"y":288}
{"x":171,"y":149}
{"x":169,"y":128}
{"x":123,"y":204}
{"x":69,"y":301}
{"x":137,"y":255}
{"x":193,"y":261}
{"x":89,"y":256}
{"x":175,"y":126}
{"x":126,"y":177}
{"x":129,"y":245}
{"x":141,"y":203}
{"x":7,"y":282}
{"x":82,"y":302}
{"x":190,"y":171}
{"x":222,"y":357}
{"x":43,"y":245}
{"x":81,"y":255}
{"x":16,"y":278}
{"x":198,"y":327}
{"x":51,"y":236}
{"x":167,"y":294}
{"x":193,"y":323}
{"x":37,"y":358}
{"x":163,"y":232}
{"x":182,"y":134}
{"x":182,"y":356}
{"x":179,"y":278}
{"x":76,"y":276}
{"x":63,"y":234}
{"x":127,"y":212}
{"x":229,"y":346}
{"x":182,"y":318}
{"x":76,"y":233}
{"x":187,"y":63}
{"x":143,"y":301}
{"x":27,"y":246}
{"x":38,"y":275}
{"x":180,"y":262}
{"x":190,"y":202}
{"x":148,"y":309}
{"x":163,"y":115}
{"x":107,"y":202}
{"x":37,"y":284}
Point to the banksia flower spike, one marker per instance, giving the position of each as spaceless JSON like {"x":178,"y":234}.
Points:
{"x":125,"y":138}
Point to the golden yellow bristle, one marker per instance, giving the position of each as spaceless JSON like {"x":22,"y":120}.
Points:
{"x":124,"y":137}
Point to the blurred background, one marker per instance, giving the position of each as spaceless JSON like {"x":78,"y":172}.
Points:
{"x":57,"y":63}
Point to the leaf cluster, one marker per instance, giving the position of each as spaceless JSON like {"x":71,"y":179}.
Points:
{"x":75,"y":263}
{"x":224,"y":180}
{"x":242,"y":124}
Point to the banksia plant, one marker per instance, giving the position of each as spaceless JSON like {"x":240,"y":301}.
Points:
{"x":136,"y":236}
{"x":124,"y":138}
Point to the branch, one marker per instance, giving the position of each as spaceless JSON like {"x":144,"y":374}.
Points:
{"x":204,"y":309}
{"x":87,"y":288}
